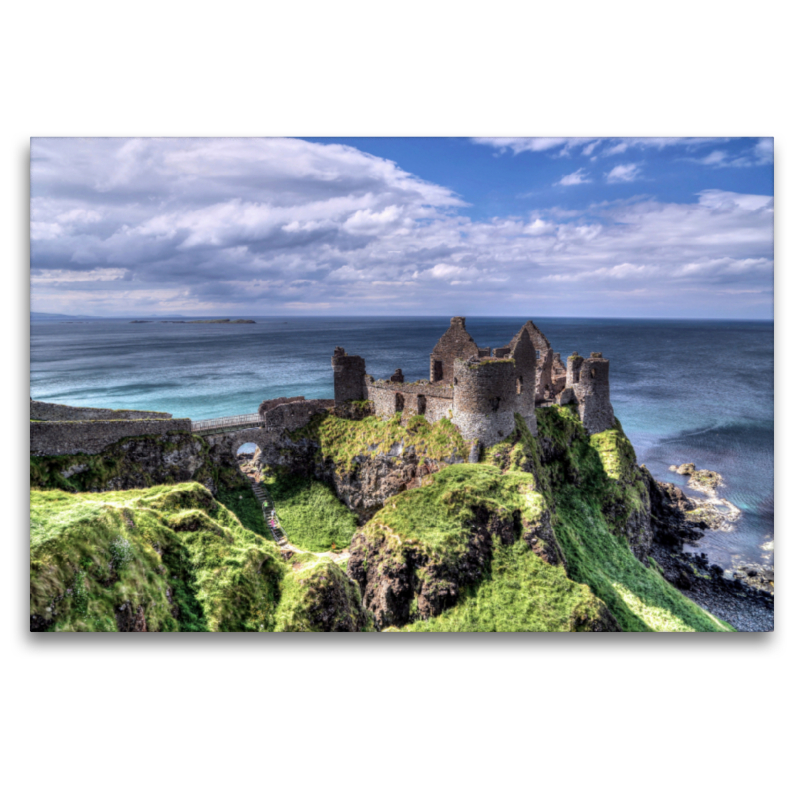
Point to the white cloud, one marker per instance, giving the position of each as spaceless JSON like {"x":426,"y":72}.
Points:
{"x":574,"y":178}
{"x":623,"y":173}
{"x":51,"y":276}
{"x":764,"y":151}
{"x":236,"y":226}
{"x":533,"y":144}
{"x":760,"y":154}
{"x":616,"y":149}
{"x":714,"y":158}
{"x":447,"y":271}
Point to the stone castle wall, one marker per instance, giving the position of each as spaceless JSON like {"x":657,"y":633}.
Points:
{"x":56,"y":438}
{"x":54,"y":412}
{"x":559,"y":375}
{"x":433,"y":401}
{"x":484,"y":399}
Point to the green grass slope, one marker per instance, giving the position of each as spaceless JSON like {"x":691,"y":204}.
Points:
{"x":596,"y":501}
{"x":311,"y":514}
{"x":591,"y":483}
{"x":509,"y":588}
{"x":342,"y":440}
{"x":173,"y":551}
{"x":316,"y":595}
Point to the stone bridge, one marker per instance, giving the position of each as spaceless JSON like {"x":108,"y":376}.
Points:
{"x":230,"y":433}
{"x":265,"y":428}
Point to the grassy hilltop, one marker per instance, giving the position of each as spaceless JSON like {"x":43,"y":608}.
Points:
{"x":537,"y":536}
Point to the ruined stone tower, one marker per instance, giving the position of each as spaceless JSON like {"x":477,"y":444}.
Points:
{"x":544,"y":359}
{"x":349,"y":373}
{"x":455,"y":343}
{"x":592,"y":392}
{"x":524,"y":354}
{"x":484,"y":397}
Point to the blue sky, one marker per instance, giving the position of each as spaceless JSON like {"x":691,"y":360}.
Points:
{"x":519,"y":226}
{"x":496,"y":181}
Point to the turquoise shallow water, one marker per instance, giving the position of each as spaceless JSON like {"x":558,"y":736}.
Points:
{"x":684,"y":390}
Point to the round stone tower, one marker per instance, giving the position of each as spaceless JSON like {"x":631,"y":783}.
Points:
{"x":484,"y":395}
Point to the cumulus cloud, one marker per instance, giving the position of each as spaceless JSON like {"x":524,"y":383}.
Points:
{"x":624,"y":173}
{"x":241,"y":226}
{"x":574,"y":178}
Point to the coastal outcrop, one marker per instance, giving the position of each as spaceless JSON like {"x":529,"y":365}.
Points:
{"x":502,"y":494}
{"x":172,"y":558}
{"x":365,"y":459}
{"x":132,"y":463}
{"x":701,"y":480}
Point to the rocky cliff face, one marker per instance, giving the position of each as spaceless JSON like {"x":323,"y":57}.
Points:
{"x":367,"y":461}
{"x":403,"y":578}
{"x":548,"y":532}
{"x":132,"y":463}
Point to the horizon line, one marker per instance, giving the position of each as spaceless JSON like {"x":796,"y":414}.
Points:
{"x":396,"y":316}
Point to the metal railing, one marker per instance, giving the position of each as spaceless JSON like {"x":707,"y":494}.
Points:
{"x":226,"y":422}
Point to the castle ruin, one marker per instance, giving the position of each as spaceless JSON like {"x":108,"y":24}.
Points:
{"x":481,"y":389}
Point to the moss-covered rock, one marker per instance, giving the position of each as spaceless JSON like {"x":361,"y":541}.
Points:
{"x":170,"y":558}
{"x":367,"y":460}
{"x":473,"y":547}
{"x":541,"y":536}
{"x":317,"y":595}
{"x":132,"y":463}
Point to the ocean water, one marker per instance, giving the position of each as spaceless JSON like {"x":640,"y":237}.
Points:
{"x":684,"y":390}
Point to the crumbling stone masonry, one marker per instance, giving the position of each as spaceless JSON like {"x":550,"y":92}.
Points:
{"x":592,"y":392}
{"x":59,"y":438}
{"x":455,"y":343}
{"x":349,"y":373}
{"x":481,"y":389}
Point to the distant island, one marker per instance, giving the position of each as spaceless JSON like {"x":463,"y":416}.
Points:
{"x":197,"y":321}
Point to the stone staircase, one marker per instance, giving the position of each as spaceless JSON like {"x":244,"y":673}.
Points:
{"x":267,"y":506}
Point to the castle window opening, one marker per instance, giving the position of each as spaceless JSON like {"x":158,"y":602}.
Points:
{"x":421,"y":404}
{"x":399,"y":402}
{"x":438,"y":371}
{"x":537,"y":355}
{"x":519,"y":384}
{"x":593,"y":373}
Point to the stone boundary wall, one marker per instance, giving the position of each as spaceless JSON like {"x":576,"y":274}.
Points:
{"x":437,"y":403}
{"x":421,"y":387}
{"x":54,"y":412}
{"x":294,"y":415}
{"x":58,"y":438}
